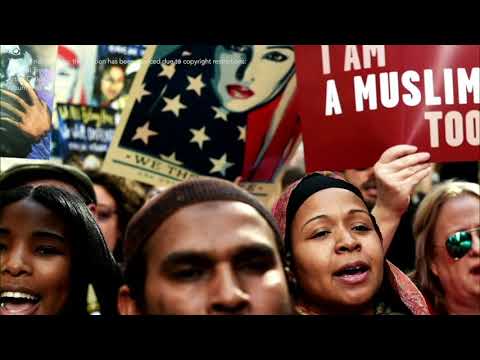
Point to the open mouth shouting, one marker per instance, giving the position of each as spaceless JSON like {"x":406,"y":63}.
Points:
{"x":353,"y":273}
{"x":18,"y":302}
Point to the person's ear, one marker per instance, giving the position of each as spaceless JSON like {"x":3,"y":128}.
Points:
{"x":93,"y":209}
{"x":126,"y":305}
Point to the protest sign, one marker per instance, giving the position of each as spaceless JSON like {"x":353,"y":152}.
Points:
{"x":357,"y":100}
{"x":223,"y":111}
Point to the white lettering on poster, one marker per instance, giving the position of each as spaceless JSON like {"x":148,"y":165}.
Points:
{"x":351,"y":58}
{"x":370,"y":51}
{"x":457,"y":128}
{"x":390,"y":87}
{"x":427,"y":88}
{"x":326,"y":60}
{"x":365,"y":90}
{"x":333,"y":102}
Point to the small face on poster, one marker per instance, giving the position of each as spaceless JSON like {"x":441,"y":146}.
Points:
{"x":116,"y":66}
{"x":27,"y":74}
{"x":75,"y":74}
{"x":110,"y":82}
{"x":68,"y":75}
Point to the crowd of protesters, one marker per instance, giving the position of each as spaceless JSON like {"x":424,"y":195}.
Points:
{"x":364,"y":241}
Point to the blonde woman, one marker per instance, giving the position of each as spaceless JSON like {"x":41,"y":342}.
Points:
{"x":446,"y":229}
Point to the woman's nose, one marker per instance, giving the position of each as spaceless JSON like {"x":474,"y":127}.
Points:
{"x":14,"y":263}
{"x":346,"y":242}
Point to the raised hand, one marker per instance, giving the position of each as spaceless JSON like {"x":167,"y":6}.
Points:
{"x":35,"y":119}
{"x":397,"y":172}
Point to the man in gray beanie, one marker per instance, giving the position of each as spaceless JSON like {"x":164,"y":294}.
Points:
{"x":204,"y":246}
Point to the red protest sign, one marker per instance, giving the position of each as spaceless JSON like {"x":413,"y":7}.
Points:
{"x":357,"y":100}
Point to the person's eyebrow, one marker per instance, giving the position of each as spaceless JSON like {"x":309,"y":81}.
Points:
{"x":287,"y":47}
{"x":354,"y":211}
{"x":4,"y":231}
{"x":45,"y":233}
{"x":315,"y":218}
{"x":247,"y":252}
{"x":186,"y":257}
{"x":350,"y":212}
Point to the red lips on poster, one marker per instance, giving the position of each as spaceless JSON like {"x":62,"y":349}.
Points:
{"x":357,"y":100}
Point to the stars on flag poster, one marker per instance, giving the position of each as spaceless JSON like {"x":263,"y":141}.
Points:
{"x":178,"y":118}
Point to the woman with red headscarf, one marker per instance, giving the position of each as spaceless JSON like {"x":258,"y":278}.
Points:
{"x":334,"y":255}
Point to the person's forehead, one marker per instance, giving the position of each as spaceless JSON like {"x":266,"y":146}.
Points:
{"x":116,"y":71}
{"x":212,"y":227}
{"x":103,"y":196}
{"x":64,"y":63}
{"x":357,"y":173}
{"x":459,"y":213}
{"x":331,"y":199}
{"x":459,"y":205}
{"x":31,"y":213}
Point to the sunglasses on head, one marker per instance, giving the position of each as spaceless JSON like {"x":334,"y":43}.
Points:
{"x":460,"y":243}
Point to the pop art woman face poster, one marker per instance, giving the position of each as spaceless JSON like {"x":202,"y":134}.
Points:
{"x":248,"y":76}
{"x":68,"y":67}
{"x":217,"y":110}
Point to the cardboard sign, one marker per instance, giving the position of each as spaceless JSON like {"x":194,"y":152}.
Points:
{"x":221,"y":110}
{"x":82,"y":131}
{"x":358,"y":100}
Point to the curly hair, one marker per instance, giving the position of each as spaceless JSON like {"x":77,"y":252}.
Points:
{"x":128,"y":202}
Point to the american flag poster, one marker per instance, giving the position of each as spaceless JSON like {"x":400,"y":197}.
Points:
{"x":211,"y":110}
